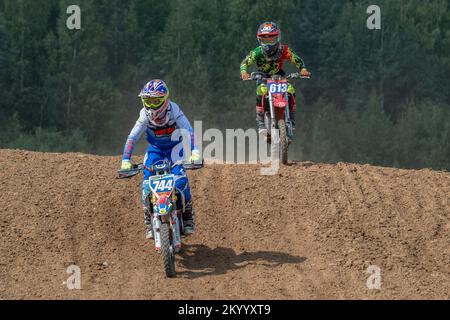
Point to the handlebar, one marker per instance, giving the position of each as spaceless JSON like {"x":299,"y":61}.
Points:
{"x":186,"y":165}
{"x":136,"y":168}
{"x":193,"y":165}
{"x":255,"y":76}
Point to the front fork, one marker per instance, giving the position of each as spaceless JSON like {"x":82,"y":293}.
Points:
{"x":174,"y":222}
{"x":272,"y":112}
{"x":290,"y":131}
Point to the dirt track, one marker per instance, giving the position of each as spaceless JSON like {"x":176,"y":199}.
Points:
{"x":309,"y":232}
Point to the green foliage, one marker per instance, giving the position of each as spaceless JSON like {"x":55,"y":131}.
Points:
{"x":44,"y":140}
{"x":423,"y":136}
{"x":376,"y":96}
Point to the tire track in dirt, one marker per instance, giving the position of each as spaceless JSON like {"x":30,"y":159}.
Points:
{"x":334,"y":233}
{"x":420,"y":249}
{"x":315,"y":182}
{"x":352,"y":228}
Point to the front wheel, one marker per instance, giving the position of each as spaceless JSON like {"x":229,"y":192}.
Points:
{"x":284,"y":145}
{"x":167,"y":251}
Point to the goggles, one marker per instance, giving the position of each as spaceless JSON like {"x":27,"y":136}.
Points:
{"x":268,"y":40}
{"x":153,"y":103}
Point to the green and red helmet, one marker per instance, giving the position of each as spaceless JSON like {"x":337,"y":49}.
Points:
{"x":269,"y":38}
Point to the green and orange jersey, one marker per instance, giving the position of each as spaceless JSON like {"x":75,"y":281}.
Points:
{"x":271,"y":67}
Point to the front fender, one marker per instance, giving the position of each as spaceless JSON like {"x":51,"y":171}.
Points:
{"x":165,"y":218}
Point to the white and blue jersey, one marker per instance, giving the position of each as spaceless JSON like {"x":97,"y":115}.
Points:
{"x":159,"y":137}
{"x":162,"y":140}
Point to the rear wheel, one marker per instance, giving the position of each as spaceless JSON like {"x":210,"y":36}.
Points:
{"x":167,"y":251}
{"x":283,"y":141}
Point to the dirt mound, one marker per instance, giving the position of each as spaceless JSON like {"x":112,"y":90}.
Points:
{"x":309,"y":232}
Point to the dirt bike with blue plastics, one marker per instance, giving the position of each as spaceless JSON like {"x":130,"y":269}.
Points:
{"x":167,"y":207}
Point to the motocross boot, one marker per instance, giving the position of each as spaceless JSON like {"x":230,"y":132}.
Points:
{"x":292,"y":114}
{"x":188,"y":219}
{"x":148,"y":224}
{"x":260,"y":123}
{"x":259,"y":114}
